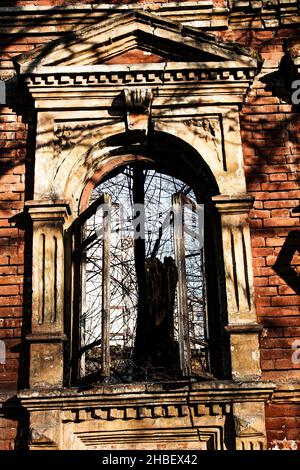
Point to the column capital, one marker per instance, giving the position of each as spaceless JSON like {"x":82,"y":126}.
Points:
{"x":47,"y":210}
{"x":233,"y":204}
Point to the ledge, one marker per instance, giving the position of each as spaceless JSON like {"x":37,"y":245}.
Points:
{"x":46,"y":338}
{"x":233,"y":204}
{"x":45,"y":209}
{"x":243,"y":328}
{"x":47,"y":203}
{"x":211,"y":393}
{"x":287,"y":393}
{"x":135,"y":395}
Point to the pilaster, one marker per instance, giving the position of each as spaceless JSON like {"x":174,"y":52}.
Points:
{"x":242,"y":323}
{"x":47,"y":321}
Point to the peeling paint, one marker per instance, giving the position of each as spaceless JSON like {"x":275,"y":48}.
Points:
{"x":255,"y":355}
{"x":285,"y":444}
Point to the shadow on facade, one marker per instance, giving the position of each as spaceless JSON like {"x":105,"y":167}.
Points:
{"x":284,"y":263}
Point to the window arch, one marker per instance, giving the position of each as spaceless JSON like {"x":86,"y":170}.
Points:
{"x":88,"y":119}
{"x":143,"y":303}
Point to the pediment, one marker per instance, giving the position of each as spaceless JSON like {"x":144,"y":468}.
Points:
{"x":112,"y":41}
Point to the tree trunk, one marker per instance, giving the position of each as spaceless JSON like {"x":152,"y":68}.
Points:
{"x":159,"y":348}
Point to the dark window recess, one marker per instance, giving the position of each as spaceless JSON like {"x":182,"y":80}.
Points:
{"x":143,"y":294}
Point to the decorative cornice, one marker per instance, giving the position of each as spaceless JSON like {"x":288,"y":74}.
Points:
{"x":161,"y":73}
{"x":141,"y":412}
{"x":211,"y":398}
{"x":147,"y":396}
{"x":139,"y":77}
{"x":214,"y":83}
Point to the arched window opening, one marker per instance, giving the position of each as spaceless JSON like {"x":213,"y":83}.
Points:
{"x":143,"y":289}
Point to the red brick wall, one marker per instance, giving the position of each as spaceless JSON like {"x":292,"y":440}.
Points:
{"x":271,"y":147}
{"x":270,"y":131}
{"x":8,"y":433}
{"x":283,"y":423}
{"x":12,"y":178}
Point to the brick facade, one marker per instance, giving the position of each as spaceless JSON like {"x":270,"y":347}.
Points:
{"x":270,"y":125}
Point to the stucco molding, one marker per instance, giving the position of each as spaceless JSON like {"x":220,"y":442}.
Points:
{"x":139,"y":395}
{"x":193,"y":413}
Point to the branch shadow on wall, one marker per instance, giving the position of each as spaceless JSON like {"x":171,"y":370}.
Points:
{"x":279,"y":83}
{"x":283,"y":266}
{"x":13,"y":411}
{"x":284,"y":263}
